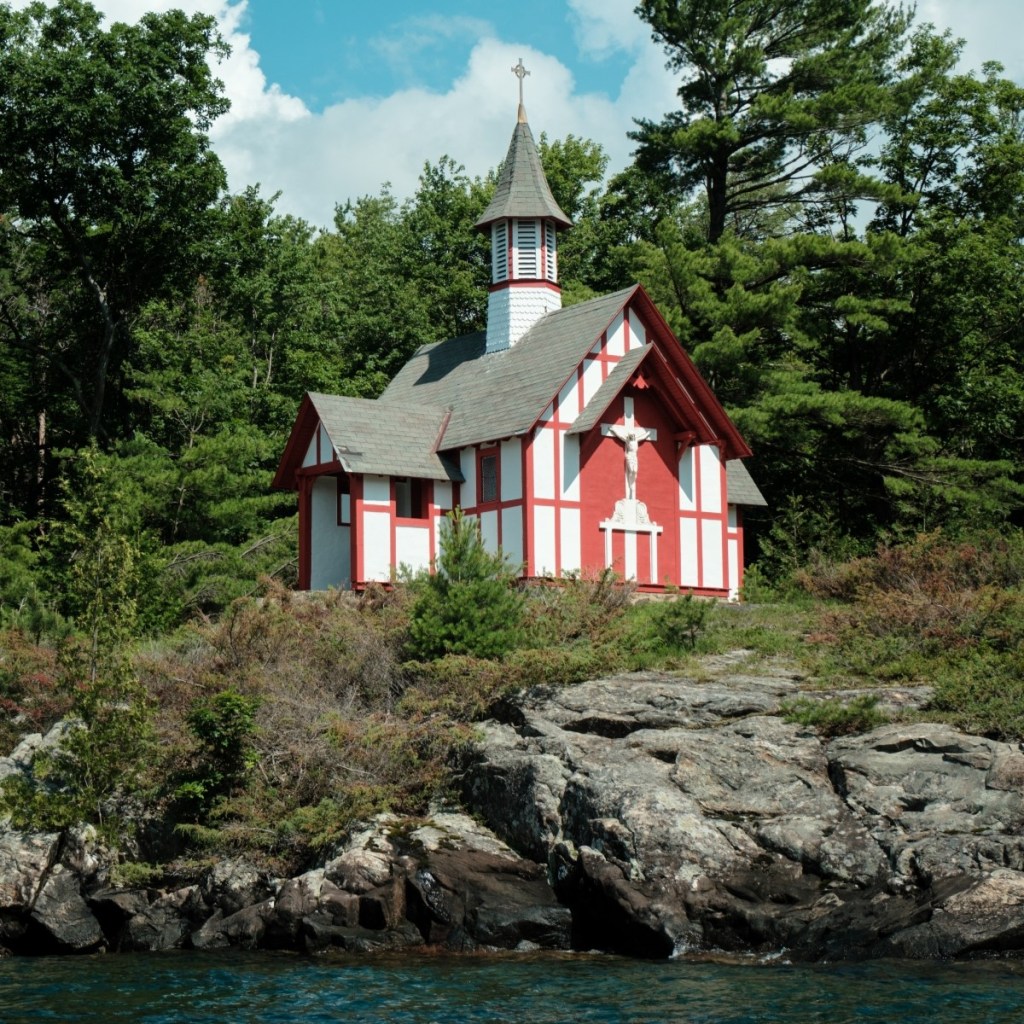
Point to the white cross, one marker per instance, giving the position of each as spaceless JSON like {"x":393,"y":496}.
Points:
{"x":520,"y":72}
{"x":632,"y":436}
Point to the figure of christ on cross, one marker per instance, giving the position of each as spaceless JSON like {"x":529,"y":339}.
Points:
{"x":632,"y":436}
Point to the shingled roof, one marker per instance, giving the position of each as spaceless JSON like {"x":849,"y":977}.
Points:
{"x":741,"y":486}
{"x":605,"y":394}
{"x":522,"y":189}
{"x":502,"y":394}
{"x":371,"y":438}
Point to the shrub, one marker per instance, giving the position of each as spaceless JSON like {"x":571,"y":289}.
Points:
{"x":575,"y":609}
{"x":983,"y":694}
{"x":917,"y":609}
{"x":676,"y":624}
{"x":836,"y":717}
{"x":223,"y":727}
{"x":469,"y":605}
{"x":30,"y":700}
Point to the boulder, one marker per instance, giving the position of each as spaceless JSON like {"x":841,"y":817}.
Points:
{"x":467,"y":899}
{"x":63,"y":916}
{"x":24,"y":861}
{"x":232,"y":885}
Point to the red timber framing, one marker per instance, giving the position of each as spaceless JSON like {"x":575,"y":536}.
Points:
{"x":681,"y":425}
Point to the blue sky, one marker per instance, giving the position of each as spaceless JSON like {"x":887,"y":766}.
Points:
{"x":327,"y":51}
{"x":333,"y":98}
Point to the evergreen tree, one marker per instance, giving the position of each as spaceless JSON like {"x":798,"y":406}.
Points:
{"x":776,"y":101}
{"x":470,"y":604}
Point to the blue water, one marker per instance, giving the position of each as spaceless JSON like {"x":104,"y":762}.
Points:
{"x":267,"y":988}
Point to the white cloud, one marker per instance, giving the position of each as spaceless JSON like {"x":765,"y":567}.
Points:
{"x":351,"y":148}
{"x":604,"y":27}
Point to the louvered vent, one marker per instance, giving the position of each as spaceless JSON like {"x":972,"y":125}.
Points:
{"x":528,"y":265}
{"x":499,"y":251}
{"x":551,"y":251}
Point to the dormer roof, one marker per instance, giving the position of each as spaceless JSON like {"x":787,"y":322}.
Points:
{"x":522,"y":189}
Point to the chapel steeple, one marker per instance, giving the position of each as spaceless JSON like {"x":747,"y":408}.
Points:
{"x":523,"y":219}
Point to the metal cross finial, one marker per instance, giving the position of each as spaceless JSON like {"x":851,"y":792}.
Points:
{"x":520,"y":72}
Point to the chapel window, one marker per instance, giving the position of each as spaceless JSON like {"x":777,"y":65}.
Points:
{"x":488,"y":478}
{"x":550,"y":251}
{"x":499,"y":251}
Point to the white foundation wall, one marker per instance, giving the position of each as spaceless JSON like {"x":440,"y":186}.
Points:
{"x":544,"y":541}
{"x":512,"y":535}
{"x":569,"y":540}
{"x":689,"y":553}
{"x":331,"y":562}
{"x":489,"y":530}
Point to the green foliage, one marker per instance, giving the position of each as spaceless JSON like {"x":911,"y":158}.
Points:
{"x":469,"y":605}
{"x":223,"y":726}
{"x":136,"y":874}
{"x":676,"y":624}
{"x":948,"y":612}
{"x":576,"y":610}
{"x":102,"y":755}
{"x":773,"y":95}
{"x":107,"y":171}
{"x":801,"y":536}
{"x":983,"y":693}
{"x":836,"y":717}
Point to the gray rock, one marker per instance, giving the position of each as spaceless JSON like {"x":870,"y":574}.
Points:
{"x":233,"y":885}
{"x":167,"y":922}
{"x":24,"y":861}
{"x":244,"y":929}
{"x":64,"y":916}
{"x":678,"y":814}
{"x":464,"y":899}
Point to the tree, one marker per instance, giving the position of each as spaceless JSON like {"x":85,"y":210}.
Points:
{"x":776,"y":96}
{"x":407,"y":274}
{"x":574,"y":168}
{"x":469,"y":604}
{"x":107,"y":176}
{"x":103,"y":752}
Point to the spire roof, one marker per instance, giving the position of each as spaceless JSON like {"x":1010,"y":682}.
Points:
{"x":522,"y":189}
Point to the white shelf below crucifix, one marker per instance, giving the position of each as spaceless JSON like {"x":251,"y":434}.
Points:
{"x":630,"y":516}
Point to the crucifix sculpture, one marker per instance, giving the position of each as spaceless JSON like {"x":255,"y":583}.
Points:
{"x":632,"y":436}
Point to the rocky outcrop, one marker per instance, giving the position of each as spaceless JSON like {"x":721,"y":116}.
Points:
{"x":446,"y":882}
{"x":647,"y":814}
{"x":677,"y":815}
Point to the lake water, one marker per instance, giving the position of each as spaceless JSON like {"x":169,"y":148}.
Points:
{"x":268,"y":988}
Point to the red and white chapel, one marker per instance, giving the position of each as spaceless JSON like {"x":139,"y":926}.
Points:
{"x":581,"y":438}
